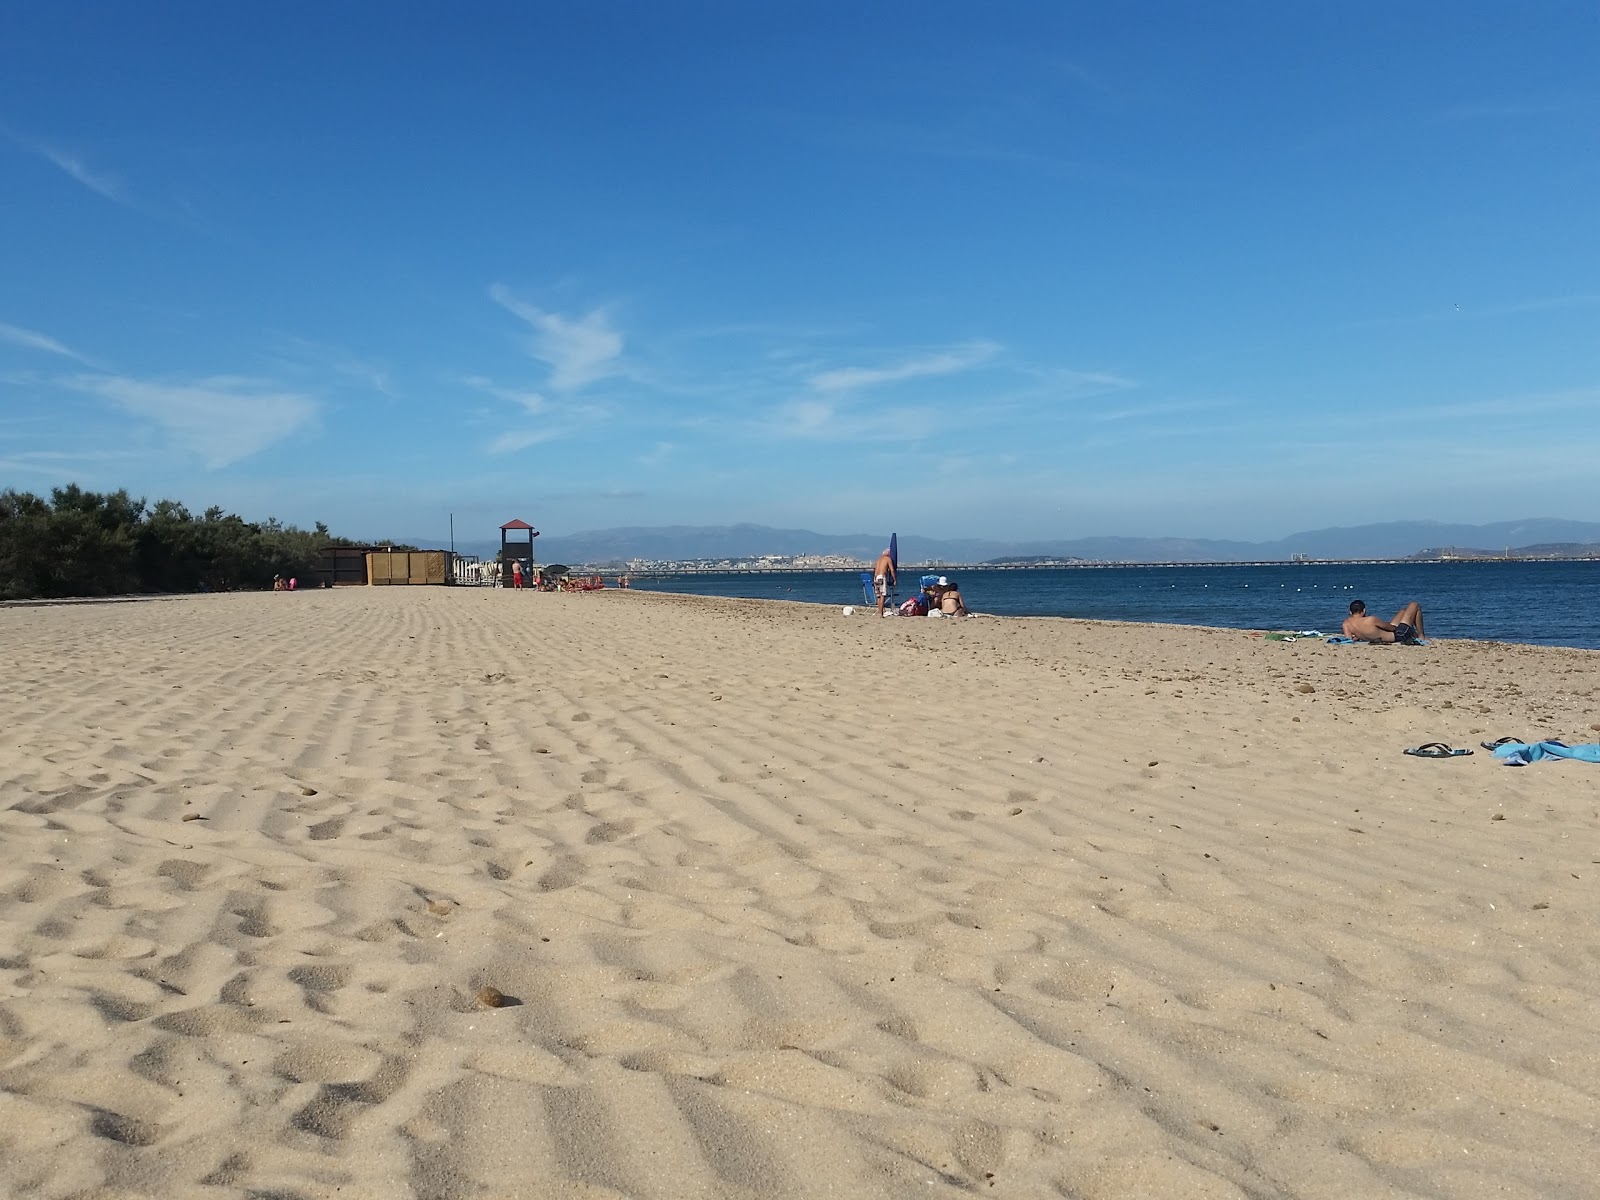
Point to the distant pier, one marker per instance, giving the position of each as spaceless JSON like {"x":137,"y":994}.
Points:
{"x":661,"y":571}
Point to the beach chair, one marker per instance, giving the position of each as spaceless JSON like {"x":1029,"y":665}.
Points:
{"x":869,"y":593}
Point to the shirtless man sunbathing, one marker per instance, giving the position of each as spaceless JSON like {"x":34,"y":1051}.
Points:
{"x":1405,"y":629}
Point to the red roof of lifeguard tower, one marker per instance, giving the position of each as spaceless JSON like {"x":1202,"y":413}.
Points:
{"x":519,"y":524}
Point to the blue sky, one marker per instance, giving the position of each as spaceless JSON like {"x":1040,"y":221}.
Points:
{"x":1010,"y":270}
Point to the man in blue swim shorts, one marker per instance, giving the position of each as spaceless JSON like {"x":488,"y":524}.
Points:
{"x":1405,"y":629}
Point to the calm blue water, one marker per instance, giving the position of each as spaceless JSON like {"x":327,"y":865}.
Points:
{"x":1554,"y":604}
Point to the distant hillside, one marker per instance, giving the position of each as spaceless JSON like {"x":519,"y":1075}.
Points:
{"x":1397,"y":539}
{"x":1394,"y":539}
{"x":1027,"y":560}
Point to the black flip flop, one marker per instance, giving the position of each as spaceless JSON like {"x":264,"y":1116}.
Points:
{"x":1436,"y":750}
{"x":1495,"y":745}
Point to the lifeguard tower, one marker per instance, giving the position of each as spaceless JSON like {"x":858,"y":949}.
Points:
{"x":516,"y":547}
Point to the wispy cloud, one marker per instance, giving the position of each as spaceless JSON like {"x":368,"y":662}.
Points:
{"x":661,"y":452}
{"x":816,"y":419}
{"x":1472,"y":312}
{"x":557,"y":418}
{"x":303,"y":356}
{"x":222,"y":418}
{"x":577,"y":350}
{"x":60,"y":463}
{"x":30,"y":339}
{"x":784,"y":333}
{"x":98,"y":182}
{"x":1066,"y":383}
{"x":1143,"y":412}
{"x":1579,"y":402}
{"x":520,"y":439}
{"x":806,"y":417}
{"x":533,"y":402}
{"x":1544,"y":304}
{"x":944,"y":362}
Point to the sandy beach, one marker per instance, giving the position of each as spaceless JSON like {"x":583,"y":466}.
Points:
{"x":458,"y":893}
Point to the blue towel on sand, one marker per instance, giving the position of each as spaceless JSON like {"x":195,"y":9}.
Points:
{"x":1520,"y":754}
{"x":1340,"y":640}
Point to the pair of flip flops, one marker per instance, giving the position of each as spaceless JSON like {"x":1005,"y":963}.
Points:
{"x":1436,"y":750}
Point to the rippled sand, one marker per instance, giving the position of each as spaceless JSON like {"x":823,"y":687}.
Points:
{"x":782,"y":903}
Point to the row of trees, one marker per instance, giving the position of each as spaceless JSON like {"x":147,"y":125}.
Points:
{"x":80,"y":543}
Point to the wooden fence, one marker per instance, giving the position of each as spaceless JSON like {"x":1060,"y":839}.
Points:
{"x":415,"y":567}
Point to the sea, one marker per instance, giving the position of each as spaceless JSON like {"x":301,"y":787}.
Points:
{"x":1542,"y":603}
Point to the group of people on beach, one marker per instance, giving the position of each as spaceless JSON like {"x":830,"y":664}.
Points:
{"x":531,"y":576}
{"x":942,"y":596}
{"x":939,"y":596}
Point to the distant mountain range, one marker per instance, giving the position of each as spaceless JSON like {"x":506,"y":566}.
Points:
{"x":1393,"y":539}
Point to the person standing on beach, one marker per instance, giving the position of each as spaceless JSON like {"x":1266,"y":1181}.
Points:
{"x":516,"y":574}
{"x":1405,"y":629}
{"x":883,"y":577}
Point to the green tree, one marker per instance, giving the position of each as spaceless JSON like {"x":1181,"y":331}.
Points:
{"x":92,"y":542}
{"x":24,"y":545}
{"x":82,"y":543}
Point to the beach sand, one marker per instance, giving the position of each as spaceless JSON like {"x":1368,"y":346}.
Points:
{"x":457,"y":893}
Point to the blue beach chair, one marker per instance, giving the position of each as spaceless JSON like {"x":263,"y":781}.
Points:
{"x":869,"y":593}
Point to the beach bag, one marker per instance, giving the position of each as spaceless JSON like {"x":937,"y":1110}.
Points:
{"x":914,"y":607}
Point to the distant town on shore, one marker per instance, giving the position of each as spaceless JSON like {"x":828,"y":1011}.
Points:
{"x":748,"y":547}
{"x":839,"y":562}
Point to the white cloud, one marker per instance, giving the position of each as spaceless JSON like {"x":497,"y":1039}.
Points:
{"x":520,"y":439}
{"x":70,"y":164}
{"x":31,"y":340}
{"x":662,"y":452}
{"x":802,"y":418}
{"x":103,"y":185}
{"x":532,"y":401}
{"x":946,"y":362}
{"x":559,"y":417}
{"x":1086,"y":383}
{"x":578,"y":351}
{"x":811,"y":419}
{"x":302,"y":356}
{"x":1161,"y":410}
{"x":223,"y":418}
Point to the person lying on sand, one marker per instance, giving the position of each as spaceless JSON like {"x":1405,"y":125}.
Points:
{"x":1405,"y":629}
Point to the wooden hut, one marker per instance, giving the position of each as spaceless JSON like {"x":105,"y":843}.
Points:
{"x":342,"y":566}
{"x":413,"y":567}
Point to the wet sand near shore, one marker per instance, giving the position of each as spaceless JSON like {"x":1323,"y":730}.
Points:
{"x":475,"y":893}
